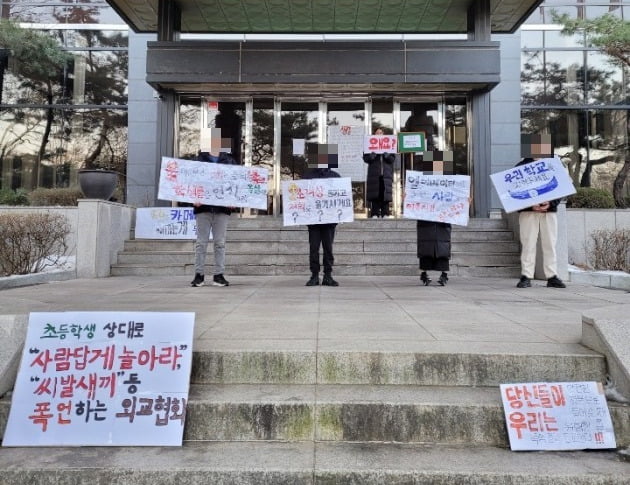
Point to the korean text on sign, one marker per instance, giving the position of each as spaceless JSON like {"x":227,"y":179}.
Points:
{"x":317,"y":201}
{"x":440,"y":198}
{"x":102,"y":378}
{"x":165,"y":223}
{"x":557,"y":416}
{"x":532,"y":183}
{"x":380,"y":144}
{"x":213,"y":183}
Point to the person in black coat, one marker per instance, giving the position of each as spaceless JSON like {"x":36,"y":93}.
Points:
{"x":434,"y":249}
{"x":321,"y":235}
{"x":380,"y":176}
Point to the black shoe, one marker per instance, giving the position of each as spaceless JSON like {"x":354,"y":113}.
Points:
{"x":314,"y":281}
{"x":524,"y":282}
{"x":219,"y":280}
{"x":443,"y":278}
{"x":424,"y":278}
{"x":198,"y":280}
{"x":328,"y":281}
{"x":555,"y":282}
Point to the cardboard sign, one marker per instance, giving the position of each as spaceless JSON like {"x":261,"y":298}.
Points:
{"x":213,"y":183}
{"x":533,"y":183}
{"x":410,"y":142}
{"x":165,"y":223}
{"x":317,"y":201}
{"x":557,"y":416}
{"x":380,"y":144}
{"x":440,"y":198}
{"x":102,"y":379}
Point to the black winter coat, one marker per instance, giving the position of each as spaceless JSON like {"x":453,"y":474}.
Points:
{"x":434,"y":239}
{"x":379,"y":164}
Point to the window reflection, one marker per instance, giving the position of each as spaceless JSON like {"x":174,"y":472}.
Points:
{"x":298,"y":121}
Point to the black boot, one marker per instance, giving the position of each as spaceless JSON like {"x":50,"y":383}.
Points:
{"x":328,"y":281}
{"x":314,"y":281}
{"x":424,"y":278}
{"x":443,"y":278}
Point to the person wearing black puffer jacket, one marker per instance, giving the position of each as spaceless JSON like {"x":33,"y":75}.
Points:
{"x":434,"y":249}
{"x":211,"y":218}
{"x":380,"y":175}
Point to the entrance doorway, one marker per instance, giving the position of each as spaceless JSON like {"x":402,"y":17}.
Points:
{"x":262,"y":133}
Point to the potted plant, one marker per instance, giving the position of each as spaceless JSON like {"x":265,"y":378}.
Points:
{"x":98,"y":183}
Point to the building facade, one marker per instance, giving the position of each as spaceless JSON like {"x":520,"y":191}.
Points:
{"x":478,"y":89}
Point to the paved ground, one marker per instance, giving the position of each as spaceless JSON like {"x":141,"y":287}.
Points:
{"x":364,"y":313}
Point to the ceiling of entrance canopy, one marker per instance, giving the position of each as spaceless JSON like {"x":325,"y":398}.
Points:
{"x":324,"y":16}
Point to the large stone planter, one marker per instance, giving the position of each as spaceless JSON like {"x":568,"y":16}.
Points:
{"x":98,"y":184}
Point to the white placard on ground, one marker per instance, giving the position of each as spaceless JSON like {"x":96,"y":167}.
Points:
{"x":213,"y":183}
{"x":440,"y":198}
{"x":532,"y":183}
{"x":557,"y":416}
{"x":317,"y":201}
{"x":102,"y":379}
{"x":165,"y":223}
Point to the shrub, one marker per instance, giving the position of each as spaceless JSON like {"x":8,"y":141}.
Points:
{"x":591,"y":198}
{"x":610,"y":249}
{"x":31,"y":242}
{"x":13,"y":197}
{"x":64,"y":197}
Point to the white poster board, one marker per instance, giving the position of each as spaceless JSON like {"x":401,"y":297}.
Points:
{"x":102,"y":379}
{"x":317,"y":201}
{"x":213,"y":183}
{"x":165,"y":223}
{"x":557,"y":416}
{"x":532,"y":183}
{"x":380,"y":144}
{"x":440,"y":198}
{"x":349,"y":141}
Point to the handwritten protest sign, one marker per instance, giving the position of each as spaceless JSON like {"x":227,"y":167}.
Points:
{"x":165,"y":223}
{"x":532,"y":183}
{"x":440,"y":198}
{"x":557,"y":416}
{"x":102,"y":378}
{"x":317,"y":201}
{"x":349,"y":141}
{"x":411,"y":142}
{"x":380,"y":144}
{"x":213,"y":183}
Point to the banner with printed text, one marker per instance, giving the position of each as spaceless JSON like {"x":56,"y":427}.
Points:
{"x":440,"y":198}
{"x":165,"y":223}
{"x":102,"y":379}
{"x":213,"y":183}
{"x":317,"y":201}
{"x":532,"y":183}
{"x":557,"y":416}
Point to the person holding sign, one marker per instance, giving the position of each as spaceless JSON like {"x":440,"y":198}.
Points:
{"x":538,"y":220}
{"x":212,"y":218}
{"x":380,"y":176}
{"x":321,"y":234}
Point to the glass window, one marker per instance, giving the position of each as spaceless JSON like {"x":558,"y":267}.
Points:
{"x":573,"y":11}
{"x":45,"y":147}
{"x":229,"y":116}
{"x":604,"y":80}
{"x":263,"y":144}
{"x":536,"y":17}
{"x":599,"y":10}
{"x":383,"y":115}
{"x":299,"y":120}
{"x":59,"y":13}
{"x":532,"y":77}
{"x":189,"y":127}
{"x":564,"y":78}
{"x":553,"y":38}
{"x":457,"y":134}
{"x":591,"y":143}
{"x":531,"y":38}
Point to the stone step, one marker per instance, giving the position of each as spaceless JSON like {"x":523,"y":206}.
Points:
{"x":405,"y":414}
{"x":301,"y":248}
{"x":341,"y":258}
{"x":419,"y":363}
{"x":160,"y":269}
{"x":308,"y":463}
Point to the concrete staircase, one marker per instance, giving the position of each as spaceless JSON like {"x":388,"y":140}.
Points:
{"x":341,"y":417}
{"x":262,"y":246}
